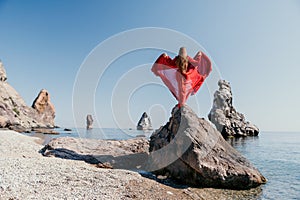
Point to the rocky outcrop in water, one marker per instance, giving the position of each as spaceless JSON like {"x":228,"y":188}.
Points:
{"x":89,"y":122}
{"x":225,"y":117}
{"x":192,"y":151}
{"x":14,"y":112}
{"x":144,"y":123}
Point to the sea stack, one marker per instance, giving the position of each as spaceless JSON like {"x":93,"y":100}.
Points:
{"x":89,"y":122}
{"x":44,"y":108}
{"x":192,"y":151}
{"x":144,"y":123}
{"x":224,"y":116}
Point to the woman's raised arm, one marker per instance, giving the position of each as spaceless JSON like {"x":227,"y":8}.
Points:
{"x":202,"y":62}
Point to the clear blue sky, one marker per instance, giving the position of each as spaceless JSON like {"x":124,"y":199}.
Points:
{"x":255,"y":44}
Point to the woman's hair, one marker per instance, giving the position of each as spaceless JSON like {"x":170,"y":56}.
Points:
{"x":181,"y":61}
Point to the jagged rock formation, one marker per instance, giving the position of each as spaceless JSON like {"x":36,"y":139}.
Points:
{"x":89,"y":122}
{"x":192,"y":151}
{"x":144,"y":123}
{"x":44,"y":107}
{"x":225,"y":117}
{"x":14,"y":112}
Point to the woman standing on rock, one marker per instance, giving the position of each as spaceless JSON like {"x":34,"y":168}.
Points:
{"x":183,"y":75}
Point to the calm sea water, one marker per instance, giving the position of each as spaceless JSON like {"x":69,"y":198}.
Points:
{"x":275,"y":154}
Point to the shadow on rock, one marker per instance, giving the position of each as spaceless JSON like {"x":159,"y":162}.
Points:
{"x":129,"y":154}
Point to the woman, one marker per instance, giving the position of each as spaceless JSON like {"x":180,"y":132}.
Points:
{"x":183,"y":75}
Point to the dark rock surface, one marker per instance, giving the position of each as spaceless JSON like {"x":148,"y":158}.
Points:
{"x":192,"y":151}
{"x":123,"y":154}
{"x":89,"y":122}
{"x":144,"y":123}
{"x":225,"y":117}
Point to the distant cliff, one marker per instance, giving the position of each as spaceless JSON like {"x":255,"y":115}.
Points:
{"x":15,"y":114}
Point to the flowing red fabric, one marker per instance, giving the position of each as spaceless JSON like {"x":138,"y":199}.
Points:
{"x":183,"y":85}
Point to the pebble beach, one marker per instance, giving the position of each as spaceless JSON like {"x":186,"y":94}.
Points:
{"x":26,"y":174}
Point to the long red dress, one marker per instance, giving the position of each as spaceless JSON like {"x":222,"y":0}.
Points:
{"x":183,"y":85}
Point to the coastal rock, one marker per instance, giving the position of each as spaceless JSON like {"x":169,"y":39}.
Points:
{"x":2,"y":72}
{"x":45,"y":131}
{"x":20,"y":129}
{"x":144,"y":123}
{"x":89,"y":122}
{"x":122,"y":154}
{"x":192,"y":151}
{"x":15,"y":113}
{"x":225,"y":117}
{"x":44,"y":108}
{"x":4,"y":122}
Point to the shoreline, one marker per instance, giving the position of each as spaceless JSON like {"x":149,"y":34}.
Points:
{"x":26,"y":174}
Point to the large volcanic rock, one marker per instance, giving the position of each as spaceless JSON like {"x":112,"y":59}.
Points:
{"x":191,"y":150}
{"x":144,"y":123}
{"x":14,"y":112}
{"x":225,"y":117}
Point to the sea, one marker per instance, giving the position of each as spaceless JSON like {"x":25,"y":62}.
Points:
{"x":275,"y":154}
